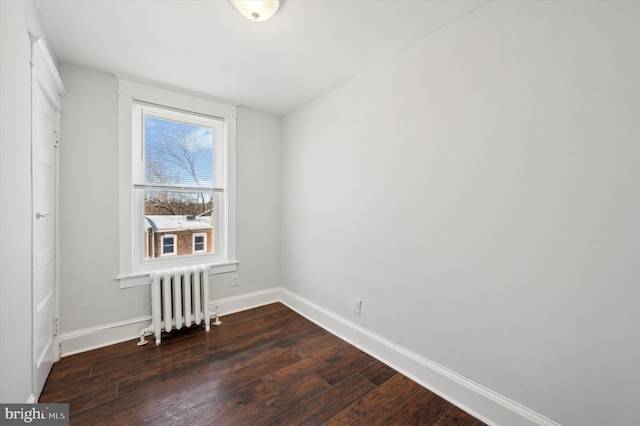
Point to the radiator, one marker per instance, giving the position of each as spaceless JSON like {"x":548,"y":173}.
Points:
{"x":179,"y":298}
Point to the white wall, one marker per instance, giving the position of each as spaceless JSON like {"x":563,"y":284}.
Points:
{"x":258,"y":203}
{"x":89,"y":207}
{"x":479,"y":192}
{"x":17,"y":19}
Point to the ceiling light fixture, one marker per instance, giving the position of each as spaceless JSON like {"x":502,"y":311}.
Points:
{"x":257,"y":10}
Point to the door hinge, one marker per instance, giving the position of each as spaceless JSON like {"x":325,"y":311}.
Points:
{"x":57,"y":139}
{"x":56,"y":327}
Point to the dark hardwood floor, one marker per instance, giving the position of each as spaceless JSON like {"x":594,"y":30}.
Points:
{"x":265,"y":366}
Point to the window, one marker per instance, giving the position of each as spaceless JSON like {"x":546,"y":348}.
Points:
{"x":178,"y":175}
{"x":200,"y":243}
{"x":176,"y":181}
{"x":168,"y":244}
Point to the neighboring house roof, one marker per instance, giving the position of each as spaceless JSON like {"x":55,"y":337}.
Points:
{"x":164,"y":223}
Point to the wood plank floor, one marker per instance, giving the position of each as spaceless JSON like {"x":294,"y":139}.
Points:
{"x":265,"y":366}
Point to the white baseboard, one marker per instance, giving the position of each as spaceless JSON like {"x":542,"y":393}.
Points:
{"x":86,"y":339}
{"x":108,"y":334}
{"x":230,"y":305}
{"x":483,"y":403}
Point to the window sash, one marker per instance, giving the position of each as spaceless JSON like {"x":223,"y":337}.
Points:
{"x":219,"y":250}
{"x":177,"y":188}
{"x":142,"y":110}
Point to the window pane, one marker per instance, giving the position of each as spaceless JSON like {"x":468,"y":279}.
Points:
{"x":199,"y":243}
{"x":178,"y":153}
{"x":167,"y":245}
{"x":181,"y":214}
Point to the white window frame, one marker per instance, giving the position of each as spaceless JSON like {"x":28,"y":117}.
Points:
{"x":174,"y":237}
{"x":193,"y":239}
{"x":140,"y":112}
{"x":133,"y":270}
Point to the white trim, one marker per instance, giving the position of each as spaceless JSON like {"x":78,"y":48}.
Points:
{"x":86,"y":339}
{"x":42,"y":57}
{"x":46,"y":80}
{"x":242,"y":302}
{"x":152,"y":90}
{"x":131,"y":89}
{"x":479,"y":401}
{"x":138,"y":279}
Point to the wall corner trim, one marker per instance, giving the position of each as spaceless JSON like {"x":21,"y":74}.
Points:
{"x":480,"y":401}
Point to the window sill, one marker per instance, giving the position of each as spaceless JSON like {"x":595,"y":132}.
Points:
{"x":138,"y":279}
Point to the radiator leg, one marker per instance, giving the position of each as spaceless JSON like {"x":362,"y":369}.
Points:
{"x":205,"y":293}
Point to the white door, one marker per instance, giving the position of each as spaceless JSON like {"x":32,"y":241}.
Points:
{"x":44,"y":121}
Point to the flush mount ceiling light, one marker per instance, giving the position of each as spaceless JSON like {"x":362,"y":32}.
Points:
{"x":257,"y":10}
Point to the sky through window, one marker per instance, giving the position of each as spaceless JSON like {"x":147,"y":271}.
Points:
{"x":178,"y":153}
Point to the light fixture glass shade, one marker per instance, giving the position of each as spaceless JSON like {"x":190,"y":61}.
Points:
{"x":257,"y":10}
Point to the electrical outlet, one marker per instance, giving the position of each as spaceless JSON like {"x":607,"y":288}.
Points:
{"x":357,"y":306}
{"x":235,"y":280}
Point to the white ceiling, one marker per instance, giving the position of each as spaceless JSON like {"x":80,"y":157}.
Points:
{"x":308,"y":48}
